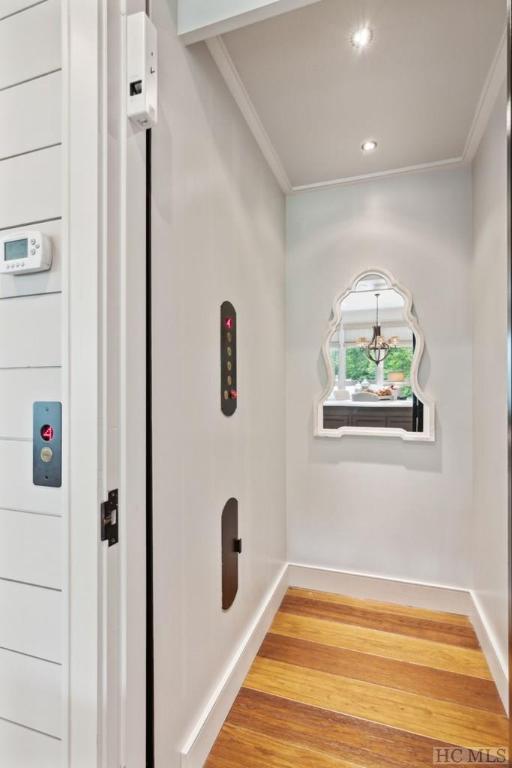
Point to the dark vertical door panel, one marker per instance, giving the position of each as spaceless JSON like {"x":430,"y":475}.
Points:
{"x":231,"y":548}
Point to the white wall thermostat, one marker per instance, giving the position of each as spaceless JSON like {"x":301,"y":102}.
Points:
{"x":22,"y":253}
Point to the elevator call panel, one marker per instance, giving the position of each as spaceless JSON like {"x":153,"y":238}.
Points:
{"x":25,"y":252}
{"x":47,"y":444}
{"x":228,"y":385}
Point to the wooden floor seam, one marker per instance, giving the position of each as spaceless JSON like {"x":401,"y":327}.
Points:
{"x":418,"y":678}
{"x":393,"y":686}
{"x":345,"y":683}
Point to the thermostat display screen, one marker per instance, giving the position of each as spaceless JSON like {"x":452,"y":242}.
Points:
{"x":16,"y":249}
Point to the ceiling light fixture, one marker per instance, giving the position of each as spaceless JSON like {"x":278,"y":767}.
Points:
{"x":369,"y":146}
{"x":362,"y":37}
{"x":378,"y":347}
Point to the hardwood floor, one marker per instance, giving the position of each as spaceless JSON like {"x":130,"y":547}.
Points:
{"x":345,"y":683}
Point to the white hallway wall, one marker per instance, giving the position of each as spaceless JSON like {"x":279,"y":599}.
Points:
{"x":33,"y":583}
{"x":382,"y":506}
{"x":218,"y":233}
{"x":489,"y":550}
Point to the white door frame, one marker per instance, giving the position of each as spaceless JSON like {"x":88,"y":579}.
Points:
{"x":104,"y":392}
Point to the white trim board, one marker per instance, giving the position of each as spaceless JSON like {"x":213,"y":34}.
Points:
{"x":198,"y":20}
{"x":436,"y":597}
{"x":207,"y":728}
{"x":229,"y":72}
{"x":495,"y":78}
{"x":487,"y":639}
{"x":366,"y":586}
{"x":451,"y":162}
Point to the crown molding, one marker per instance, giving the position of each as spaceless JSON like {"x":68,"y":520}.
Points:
{"x":495,"y":79}
{"x":451,"y":162}
{"x":229,"y":72}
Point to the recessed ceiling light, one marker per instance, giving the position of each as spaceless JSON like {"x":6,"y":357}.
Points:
{"x":362,"y":37}
{"x":369,"y":146}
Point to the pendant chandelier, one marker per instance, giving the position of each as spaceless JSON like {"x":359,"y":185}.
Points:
{"x":378,"y":348}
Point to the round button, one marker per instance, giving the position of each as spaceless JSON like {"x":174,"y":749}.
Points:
{"x":46,"y":454}
{"x":32,"y":251}
{"x":230,"y":380}
{"x":226,"y":395}
{"x":230,"y":365}
{"x":32,"y":242}
{"x":229,"y":351}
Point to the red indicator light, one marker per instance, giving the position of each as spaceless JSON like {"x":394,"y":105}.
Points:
{"x":229,"y":323}
{"x":233,"y":394}
{"x":47,"y":432}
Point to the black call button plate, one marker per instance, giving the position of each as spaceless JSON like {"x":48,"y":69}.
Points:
{"x":47,"y":441}
{"x":228,"y":377}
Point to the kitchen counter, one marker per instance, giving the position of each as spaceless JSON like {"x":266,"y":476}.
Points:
{"x":390,"y":414}
{"x":369,"y":403}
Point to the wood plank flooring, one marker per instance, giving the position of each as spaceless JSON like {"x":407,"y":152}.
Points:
{"x":346,"y":683}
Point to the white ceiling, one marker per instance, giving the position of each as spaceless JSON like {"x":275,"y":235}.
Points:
{"x":415,"y":90}
{"x":359,"y":300}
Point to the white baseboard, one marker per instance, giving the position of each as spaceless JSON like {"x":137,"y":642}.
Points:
{"x":202,"y":738}
{"x":495,"y":659}
{"x":435,"y":597}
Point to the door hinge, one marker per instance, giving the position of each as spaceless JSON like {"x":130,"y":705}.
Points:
{"x":110,"y":518}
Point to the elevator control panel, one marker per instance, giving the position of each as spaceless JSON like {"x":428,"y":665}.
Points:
{"x":24,"y":252}
{"x":47,"y":442}
{"x":228,"y":385}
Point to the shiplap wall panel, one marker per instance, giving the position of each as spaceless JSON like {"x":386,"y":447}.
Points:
{"x":16,"y":488}
{"x":30,"y":187}
{"x":31,"y":544}
{"x":30,"y":548}
{"x":40,"y":282}
{"x":21,"y":748}
{"x":30,"y":43}
{"x":31,"y":115}
{"x":34,"y":331}
{"x":30,"y":692}
{"x":31,"y":620}
{"x":20,"y":388}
